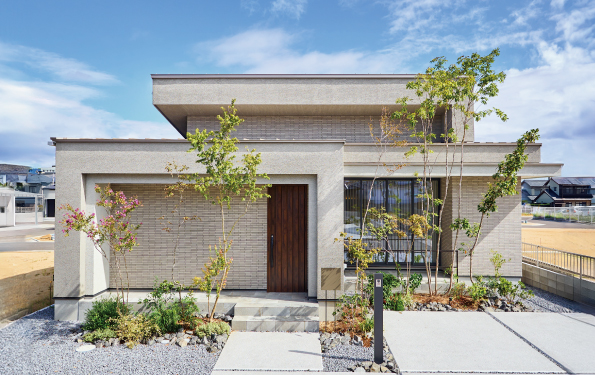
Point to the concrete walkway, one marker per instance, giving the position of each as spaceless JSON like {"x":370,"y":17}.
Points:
{"x":499,"y":343}
{"x":270,"y":351}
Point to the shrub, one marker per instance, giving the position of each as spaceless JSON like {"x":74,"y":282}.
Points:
{"x":207,"y":329}
{"x":134,"y":328}
{"x":415,"y":281}
{"x":367,"y":325}
{"x":102,"y":314}
{"x":169,"y":310}
{"x":458,"y":290}
{"x":394,"y":303}
{"x":100,"y":334}
{"x":478,"y":290}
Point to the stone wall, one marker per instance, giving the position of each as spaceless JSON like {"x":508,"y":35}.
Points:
{"x":154,"y":256}
{"x":26,"y":293}
{"x":354,"y":129}
{"x":565,"y":286}
{"x":501,"y":230}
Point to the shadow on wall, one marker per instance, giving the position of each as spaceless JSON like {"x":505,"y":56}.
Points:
{"x":26,"y":293}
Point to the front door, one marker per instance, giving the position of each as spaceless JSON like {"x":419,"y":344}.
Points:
{"x":287,"y":238}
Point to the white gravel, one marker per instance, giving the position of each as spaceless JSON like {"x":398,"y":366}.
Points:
{"x":549,"y":302}
{"x":37,"y":344}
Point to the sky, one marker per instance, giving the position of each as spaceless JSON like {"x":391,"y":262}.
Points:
{"x":82,"y":69}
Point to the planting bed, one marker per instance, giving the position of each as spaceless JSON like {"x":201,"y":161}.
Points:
{"x":37,"y":344}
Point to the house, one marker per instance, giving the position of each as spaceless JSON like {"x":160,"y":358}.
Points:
{"x":567,"y":191}
{"x":530,"y":189}
{"x":312,"y":132}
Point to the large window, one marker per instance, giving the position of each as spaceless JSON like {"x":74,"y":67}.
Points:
{"x":399,"y":197}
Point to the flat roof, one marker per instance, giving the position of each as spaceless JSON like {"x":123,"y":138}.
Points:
{"x":281,"y":76}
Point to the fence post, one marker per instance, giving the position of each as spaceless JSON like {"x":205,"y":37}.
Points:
{"x":537,"y":256}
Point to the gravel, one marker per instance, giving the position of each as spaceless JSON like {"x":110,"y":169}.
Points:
{"x":343,"y":356}
{"x":37,"y":344}
{"x":549,"y":302}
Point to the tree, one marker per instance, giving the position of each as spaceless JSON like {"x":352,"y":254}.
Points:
{"x":115,"y":234}
{"x":504,"y":183}
{"x":226,"y":182}
{"x":455,"y":89}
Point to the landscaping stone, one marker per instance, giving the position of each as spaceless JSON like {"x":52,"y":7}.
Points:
{"x":182,"y":343}
{"x":85,"y":348}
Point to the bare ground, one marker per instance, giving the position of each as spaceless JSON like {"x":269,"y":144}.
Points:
{"x":19,"y":262}
{"x":580,"y":241}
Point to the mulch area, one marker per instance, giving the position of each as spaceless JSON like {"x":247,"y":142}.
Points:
{"x":462,"y":303}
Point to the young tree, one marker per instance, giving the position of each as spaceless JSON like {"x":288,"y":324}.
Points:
{"x":455,"y":89}
{"x":227,"y":182}
{"x":504,"y":183}
{"x":114,"y":235}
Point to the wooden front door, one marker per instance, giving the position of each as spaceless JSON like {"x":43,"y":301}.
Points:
{"x":287,"y":238}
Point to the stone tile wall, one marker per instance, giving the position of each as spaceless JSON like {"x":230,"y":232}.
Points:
{"x":501,"y":230}
{"x":354,"y":129}
{"x":155,"y":254}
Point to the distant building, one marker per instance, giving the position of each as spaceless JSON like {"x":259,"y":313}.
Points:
{"x":560,"y":191}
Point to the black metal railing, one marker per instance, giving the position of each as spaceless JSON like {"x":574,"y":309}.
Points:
{"x":416,"y":258}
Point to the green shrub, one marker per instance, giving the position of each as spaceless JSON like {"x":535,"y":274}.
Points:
{"x":100,"y":334}
{"x":207,"y":329}
{"x":133,"y":328}
{"x":394,"y":303}
{"x":478,"y":291}
{"x":458,"y":290}
{"x":415,"y":281}
{"x":102,"y":313}
{"x":166,"y":308}
{"x":367,"y":325}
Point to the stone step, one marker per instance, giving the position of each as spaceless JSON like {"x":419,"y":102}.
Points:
{"x":275,"y":323}
{"x":301,"y":310}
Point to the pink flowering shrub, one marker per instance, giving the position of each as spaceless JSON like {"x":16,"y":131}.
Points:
{"x":115,"y":234}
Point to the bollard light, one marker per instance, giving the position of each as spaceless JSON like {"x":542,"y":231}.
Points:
{"x":378,"y":329}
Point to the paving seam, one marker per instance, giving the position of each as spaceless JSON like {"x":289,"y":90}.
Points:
{"x":578,"y":320}
{"x":567,"y":370}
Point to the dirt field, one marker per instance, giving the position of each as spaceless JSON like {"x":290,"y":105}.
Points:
{"x":580,"y":241}
{"x":19,"y":262}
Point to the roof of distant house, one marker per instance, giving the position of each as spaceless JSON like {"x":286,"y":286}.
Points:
{"x":535,"y":183}
{"x":33,"y":178}
{"x":574,"y":181}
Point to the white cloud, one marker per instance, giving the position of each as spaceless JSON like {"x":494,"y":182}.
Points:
{"x":31,"y":111}
{"x":270,"y":51}
{"x":60,"y":67}
{"x":294,"y":8}
{"x":558,"y":97}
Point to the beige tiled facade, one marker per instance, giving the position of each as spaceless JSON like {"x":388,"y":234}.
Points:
{"x":353,"y":129}
{"x":154,"y":257}
{"x":501,"y":230}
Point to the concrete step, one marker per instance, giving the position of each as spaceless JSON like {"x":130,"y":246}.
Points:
{"x":301,"y":310}
{"x":275,"y":323}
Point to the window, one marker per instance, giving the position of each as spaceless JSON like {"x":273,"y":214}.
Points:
{"x":397,"y":196}
{"x":2,"y":210}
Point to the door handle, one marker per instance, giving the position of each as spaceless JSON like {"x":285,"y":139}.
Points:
{"x":272,"y":254}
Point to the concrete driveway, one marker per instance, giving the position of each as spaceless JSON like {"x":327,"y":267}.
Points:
{"x":492,"y":343}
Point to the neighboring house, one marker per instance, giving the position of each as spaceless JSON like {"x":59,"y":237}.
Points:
{"x":567,"y":191}
{"x":531,"y":189}
{"x":312,"y":131}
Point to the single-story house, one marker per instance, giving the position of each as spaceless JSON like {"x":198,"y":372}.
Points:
{"x":312,"y":131}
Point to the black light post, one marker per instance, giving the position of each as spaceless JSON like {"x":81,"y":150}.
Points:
{"x":378,"y":329}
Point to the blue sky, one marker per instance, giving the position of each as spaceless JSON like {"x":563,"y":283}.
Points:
{"x":82,"y":69}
